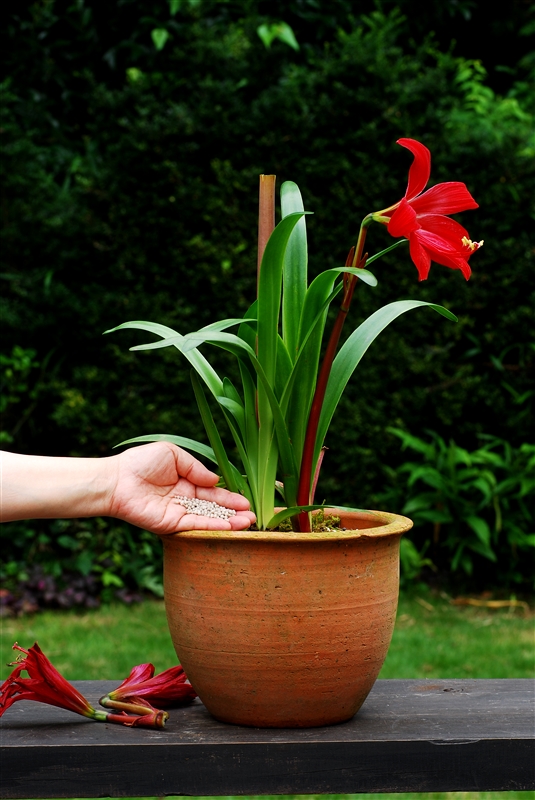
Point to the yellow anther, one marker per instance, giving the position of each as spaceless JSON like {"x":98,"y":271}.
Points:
{"x":472,"y":245}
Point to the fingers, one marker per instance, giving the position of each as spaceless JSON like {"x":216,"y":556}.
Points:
{"x":190,"y":468}
{"x":242,"y":520}
{"x":196,"y":522}
{"x":224,"y":498}
{"x":204,"y":481}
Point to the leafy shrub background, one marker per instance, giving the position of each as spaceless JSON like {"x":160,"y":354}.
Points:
{"x":468,"y":508}
{"x":129,"y":192}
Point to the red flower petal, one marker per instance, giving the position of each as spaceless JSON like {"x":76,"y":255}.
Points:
{"x":445,"y":227}
{"x":403,"y":221}
{"x":420,"y":257}
{"x":143,"y":672}
{"x":168,"y":688}
{"x":441,"y":251}
{"x":420,"y":169}
{"x":444,"y":198}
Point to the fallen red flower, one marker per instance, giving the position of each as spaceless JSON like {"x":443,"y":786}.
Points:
{"x":421,"y":219}
{"x":169,"y":689}
{"x":47,"y":685}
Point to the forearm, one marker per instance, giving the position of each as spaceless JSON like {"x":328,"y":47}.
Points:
{"x":40,"y":487}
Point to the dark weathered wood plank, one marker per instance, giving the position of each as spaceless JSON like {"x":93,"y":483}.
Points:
{"x":409,"y":736}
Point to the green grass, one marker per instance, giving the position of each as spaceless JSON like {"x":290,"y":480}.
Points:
{"x":432,"y":639}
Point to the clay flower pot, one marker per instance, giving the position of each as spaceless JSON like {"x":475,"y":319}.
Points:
{"x":284,"y":629}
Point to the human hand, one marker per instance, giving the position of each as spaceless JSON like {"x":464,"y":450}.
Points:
{"x":148,"y":477}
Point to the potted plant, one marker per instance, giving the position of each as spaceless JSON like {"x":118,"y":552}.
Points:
{"x":290,"y":627}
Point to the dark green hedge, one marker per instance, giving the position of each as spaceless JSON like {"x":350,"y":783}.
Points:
{"x":130,"y":188}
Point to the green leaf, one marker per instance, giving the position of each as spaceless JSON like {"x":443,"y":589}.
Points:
{"x":297,"y":397}
{"x":278,"y":30}
{"x":382,"y":253}
{"x":352,"y":351}
{"x":428,"y":475}
{"x":294,"y":269}
{"x":109,"y":578}
{"x":238,"y":347}
{"x":280,"y":516}
{"x":408,"y":440}
{"x":286,"y":35}
{"x":231,"y":392}
{"x":269,"y":293}
{"x":180,"y":441}
{"x":480,"y":528}
{"x":269,"y":414}
{"x":237,"y":411}
{"x":172,"y":337}
{"x":228,"y":473}
{"x":235,"y":345}
{"x":482,"y":549}
{"x":284,"y":367}
{"x":159,"y":37}
{"x":228,"y":323}
{"x":84,"y":562}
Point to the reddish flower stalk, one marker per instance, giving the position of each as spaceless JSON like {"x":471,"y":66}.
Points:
{"x":47,"y":685}
{"x":305,"y":490}
{"x":168,"y":689}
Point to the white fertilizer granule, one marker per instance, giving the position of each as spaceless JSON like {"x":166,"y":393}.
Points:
{"x":204,"y":508}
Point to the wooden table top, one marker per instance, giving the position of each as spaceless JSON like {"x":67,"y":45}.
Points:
{"x":410,"y":735}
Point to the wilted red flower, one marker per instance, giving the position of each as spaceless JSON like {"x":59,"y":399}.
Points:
{"x":47,"y":685}
{"x":168,"y":689}
{"x":421,"y":219}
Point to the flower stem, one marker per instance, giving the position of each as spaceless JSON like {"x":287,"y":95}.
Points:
{"x":119,"y":705}
{"x":154,"y":719}
{"x":354,"y":259}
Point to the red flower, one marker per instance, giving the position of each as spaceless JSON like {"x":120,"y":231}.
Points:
{"x":47,"y":685}
{"x":168,"y":689}
{"x":421,"y":219}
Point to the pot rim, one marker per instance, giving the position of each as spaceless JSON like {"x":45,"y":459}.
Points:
{"x":379,"y":524}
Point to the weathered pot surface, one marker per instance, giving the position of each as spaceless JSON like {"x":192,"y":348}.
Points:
{"x":279,"y":629}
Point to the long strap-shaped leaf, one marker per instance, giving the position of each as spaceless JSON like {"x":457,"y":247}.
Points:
{"x":196,"y":359}
{"x":268,"y":308}
{"x":196,"y":447}
{"x":352,"y":351}
{"x":235,"y":345}
{"x":269,"y":293}
{"x":298,"y":393}
{"x":231,"y":476}
{"x":180,"y":441}
{"x":295,"y":268}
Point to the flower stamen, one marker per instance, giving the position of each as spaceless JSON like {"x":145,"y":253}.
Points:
{"x":472,"y":245}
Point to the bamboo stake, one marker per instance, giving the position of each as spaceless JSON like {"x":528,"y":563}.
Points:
{"x":266,"y":214}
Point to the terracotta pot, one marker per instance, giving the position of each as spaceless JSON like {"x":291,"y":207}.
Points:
{"x":284,"y":629}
